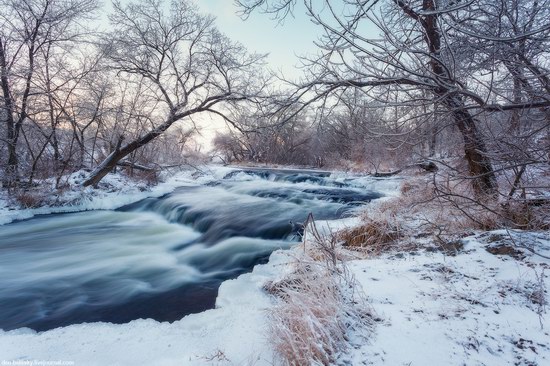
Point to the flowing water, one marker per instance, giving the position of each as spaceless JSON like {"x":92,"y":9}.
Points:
{"x":159,"y":258}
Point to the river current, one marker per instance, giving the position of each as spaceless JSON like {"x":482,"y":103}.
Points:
{"x":160,"y":258}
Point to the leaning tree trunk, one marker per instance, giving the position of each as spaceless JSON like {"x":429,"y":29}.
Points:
{"x":119,"y":153}
{"x":107,"y":165}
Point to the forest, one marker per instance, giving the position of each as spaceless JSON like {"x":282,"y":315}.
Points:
{"x":463,"y":84}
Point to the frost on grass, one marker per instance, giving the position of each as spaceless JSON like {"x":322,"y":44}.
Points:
{"x":320,"y":305}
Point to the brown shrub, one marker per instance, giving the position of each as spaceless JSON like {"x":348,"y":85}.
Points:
{"x":151,"y":178}
{"x":29,"y":199}
{"x":318,"y":308}
{"x":522,"y":215}
{"x":374,"y":235}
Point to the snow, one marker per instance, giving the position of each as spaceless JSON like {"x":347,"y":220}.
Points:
{"x":474,"y":308}
{"x":114,"y":191}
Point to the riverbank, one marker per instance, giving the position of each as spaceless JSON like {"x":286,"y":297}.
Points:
{"x":480,"y":301}
{"x":114,"y":191}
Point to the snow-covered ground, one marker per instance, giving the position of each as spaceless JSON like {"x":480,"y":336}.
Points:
{"x":114,"y":191}
{"x":472,"y":307}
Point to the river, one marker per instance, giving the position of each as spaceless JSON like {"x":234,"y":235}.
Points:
{"x":160,"y":258}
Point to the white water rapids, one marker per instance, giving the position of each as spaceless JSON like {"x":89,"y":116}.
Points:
{"x":159,"y":258}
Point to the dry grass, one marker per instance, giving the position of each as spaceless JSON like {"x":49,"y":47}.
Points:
{"x":421,"y":211}
{"x":320,"y":305}
{"x":373,"y":235}
{"x":307,"y":325}
{"x":450,"y":204}
{"x":443,"y":210}
{"x":29,"y":199}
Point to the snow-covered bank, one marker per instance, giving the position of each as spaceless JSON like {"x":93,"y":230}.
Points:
{"x":232,"y":334}
{"x":482,"y":302}
{"x":473,"y":308}
{"x":114,"y":191}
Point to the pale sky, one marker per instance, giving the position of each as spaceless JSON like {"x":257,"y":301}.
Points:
{"x":260,"y":33}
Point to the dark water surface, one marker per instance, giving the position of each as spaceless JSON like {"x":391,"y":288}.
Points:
{"x":159,"y":258}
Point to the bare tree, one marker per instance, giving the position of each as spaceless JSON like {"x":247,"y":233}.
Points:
{"x":414,"y":61}
{"x":184,"y":63}
{"x":28,"y":29}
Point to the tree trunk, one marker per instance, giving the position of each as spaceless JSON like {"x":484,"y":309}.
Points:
{"x":119,"y":153}
{"x":479,"y":164}
{"x":10,"y":173}
{"x":432,"y":143}
{"x":107,"y":165}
